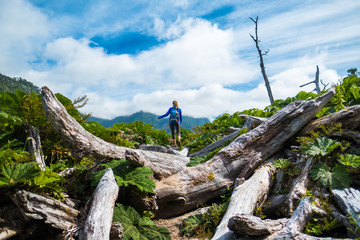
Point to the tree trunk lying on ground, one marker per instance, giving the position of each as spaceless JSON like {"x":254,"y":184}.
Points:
{"x":250,"y":123}
{"x":348,"y":201}
{"x":99,"y":218}
{"x":254,"y":226}
{"x":195,"y":185}
{"x":192,"y":186}
{"x":81,"y":143}
{"x":245,"y":197}
{"x":53,"y":212}
{"x":348,"y":117}
{"x":277,"y":229}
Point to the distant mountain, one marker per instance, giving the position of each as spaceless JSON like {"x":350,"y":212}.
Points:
{"x":8,"y":84}
{"x":145,"y":117}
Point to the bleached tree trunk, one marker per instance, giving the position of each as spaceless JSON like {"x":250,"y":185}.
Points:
{"x":262,"y":65}
{"x":298,"y":188}
{"x":196,"y":185}
{"x":250,"y":123}
{"x":245,"y":198}
{"x":254,"y":226}
{"x":81,"y":143}
{"x":185,"y":188}
{"x":53,"y":212}
{"x":99,"y":219}
{"x":294,"y":227}
{"x":348,"y":117}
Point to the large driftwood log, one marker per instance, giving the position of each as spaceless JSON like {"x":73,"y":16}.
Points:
{"x":294,"y":227}
{"x":53,"y":212}
{"x":250,"y":123}
{"x":99,"y":219}
{"x":193,"y":186}
{"x":81,"y":143}
{"x":348,"y":117}
{"x":245,"y":198}
{"x":254,"y":226}
{"x":348,"y":200}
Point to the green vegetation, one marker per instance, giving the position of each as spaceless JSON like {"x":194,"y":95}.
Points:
{"x":334,"y":161}
{"x":136,"y":226}
{"x":8,"y":84}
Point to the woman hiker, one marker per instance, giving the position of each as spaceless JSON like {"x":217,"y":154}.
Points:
{"x":174,"y":121}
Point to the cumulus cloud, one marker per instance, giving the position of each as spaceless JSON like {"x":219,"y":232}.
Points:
{"x":203,"y":55}
{"x":197,"y":63}
{"x":23,"y":30}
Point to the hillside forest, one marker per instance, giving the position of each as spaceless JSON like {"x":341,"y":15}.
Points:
{"x":256,"y":174}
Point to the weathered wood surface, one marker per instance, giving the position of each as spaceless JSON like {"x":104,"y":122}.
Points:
{"x":81,"y":143}
{"x":254,"y":226}
{"x":53,"y":212}
{"x":194,"y":186}
{"x":294,"y":227}
{"x":98,"y":222}
{"x":298,"y":188}
{"x":348,"y":200}
{"x":250,"y":123}
{"x":245,"y":198}
{"x":34,"y":146}
{"x":187,"y":187}
{"x":348,"y":117}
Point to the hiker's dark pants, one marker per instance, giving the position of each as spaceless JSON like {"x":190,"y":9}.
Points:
{"x":174,"y":126}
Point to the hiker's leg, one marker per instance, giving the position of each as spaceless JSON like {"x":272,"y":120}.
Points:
{"x":178,"y":133}
{"x":172,"y":128}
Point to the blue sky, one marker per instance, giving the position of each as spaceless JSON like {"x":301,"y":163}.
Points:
{"x":128,"y":56}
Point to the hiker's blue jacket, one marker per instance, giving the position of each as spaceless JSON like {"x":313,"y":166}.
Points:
{"x":168,"y":112}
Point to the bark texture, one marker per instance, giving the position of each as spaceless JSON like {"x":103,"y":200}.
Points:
{"x":53,"y":212}
{"x":254,"y":226}
{"x":250,"y":123}
{"x":245,"y":198}
{"x":194,"y":186}
{"x":99,"y":219}
{"x":81,"y":143}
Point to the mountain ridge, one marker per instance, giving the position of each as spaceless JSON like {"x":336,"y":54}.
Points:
{"x":151,"y":118}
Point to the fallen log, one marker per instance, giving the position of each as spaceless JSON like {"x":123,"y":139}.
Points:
{"x":184,"y":188}
{"x":98,"y":222}
{"x":250,"y":123}
{"x":82,"y":144}
{"x":245,"y":198}
{"x":348,"y":117}
{"x":53,"y":212}
{"x":194,"y":186}
{"x":249,"y":225}
{"x":348,"y":200}
{"x":298,"y":189}
{"x":294,"y":227}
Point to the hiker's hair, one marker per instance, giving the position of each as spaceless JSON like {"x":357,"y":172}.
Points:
{"x":175,"y":104}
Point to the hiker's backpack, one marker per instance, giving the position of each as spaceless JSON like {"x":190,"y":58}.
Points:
{"x":174,"y":115}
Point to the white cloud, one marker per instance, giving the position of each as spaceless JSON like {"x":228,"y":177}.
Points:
{"x":23,"y":31}
{"x":203,"y":55}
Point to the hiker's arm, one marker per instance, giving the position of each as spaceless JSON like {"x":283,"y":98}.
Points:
{"x":166,"y":114}
{"x":180,"y":117}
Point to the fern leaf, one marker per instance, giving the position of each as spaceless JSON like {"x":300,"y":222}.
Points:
{"x":19,"y":172}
